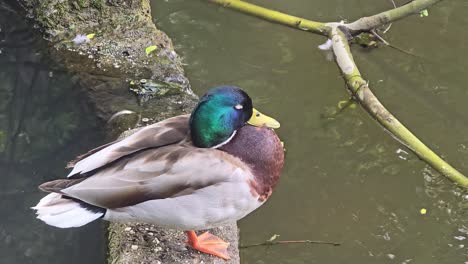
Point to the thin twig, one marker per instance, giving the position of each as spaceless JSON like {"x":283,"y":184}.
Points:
{"x":394,"y":47}
{"x":379,"y":37}
{"x":343,"y":105}
{"x":405,"y":51}
{"x":390,"y":25}
{"x":281,"y":242}
{"x":388,"y":28}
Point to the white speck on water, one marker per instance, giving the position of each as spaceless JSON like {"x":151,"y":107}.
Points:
{"x":464,"y":230}
{"x":398,"y":151}
{"x":134,"y":247}
{"x":403,"y":154}
{"x":427,"y":178}
{"x":386,"y":236}
{"x":390,"y":256}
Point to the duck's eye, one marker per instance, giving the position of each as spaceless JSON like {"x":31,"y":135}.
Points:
{"x":238,"y":106}
{"x":257,"y":114}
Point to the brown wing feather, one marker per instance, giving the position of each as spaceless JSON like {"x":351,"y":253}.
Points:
{"x":157,"y":174}
{"x":58,"y":185}
{"x":72,"y":163}
{"x":169,"y":131}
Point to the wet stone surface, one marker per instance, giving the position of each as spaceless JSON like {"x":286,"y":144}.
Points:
{"x":107,"y":62}
{"x":147,"y":89}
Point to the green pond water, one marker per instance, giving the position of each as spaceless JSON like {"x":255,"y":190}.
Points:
{"x":345,"y":178}
{"x":44,"y":122}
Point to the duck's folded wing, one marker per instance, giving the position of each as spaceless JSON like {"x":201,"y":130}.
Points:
{"x":164,"y":133}
{"x":161,"y":173}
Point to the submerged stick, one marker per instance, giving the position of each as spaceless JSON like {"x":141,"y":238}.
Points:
{"x":282,"y":242}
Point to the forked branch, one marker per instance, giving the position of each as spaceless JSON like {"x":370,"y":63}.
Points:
{"x":340,"y":33}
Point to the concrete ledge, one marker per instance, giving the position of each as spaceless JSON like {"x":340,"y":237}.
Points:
{"x":143,"y":243}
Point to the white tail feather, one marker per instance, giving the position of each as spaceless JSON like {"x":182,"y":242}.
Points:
{"x":60,"y":212}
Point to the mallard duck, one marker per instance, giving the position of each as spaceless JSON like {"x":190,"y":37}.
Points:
{"x":189,"y":172}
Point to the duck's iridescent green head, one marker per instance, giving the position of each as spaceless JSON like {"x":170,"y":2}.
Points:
{"x":220,"y":113}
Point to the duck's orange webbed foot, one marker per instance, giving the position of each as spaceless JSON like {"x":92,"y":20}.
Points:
{"x":208,"y":243}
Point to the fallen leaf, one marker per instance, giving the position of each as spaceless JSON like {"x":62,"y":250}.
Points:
{"x":150,"y":49}
{"x":424,"y":13}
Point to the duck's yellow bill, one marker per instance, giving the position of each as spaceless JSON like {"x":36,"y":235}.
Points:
{"x":259,"y":119}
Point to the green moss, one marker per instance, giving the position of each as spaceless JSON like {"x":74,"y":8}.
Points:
{"x":147,"y":89}
{"x":83,"y":3}
{"x":114,"y":246}
{"x":98,"y":4}
{"x":366,"y":40}
{"x":50,"y":13}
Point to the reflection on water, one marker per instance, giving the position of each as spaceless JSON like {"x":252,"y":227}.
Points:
{"x":345,"y":178}
{"x":43,"y":123}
